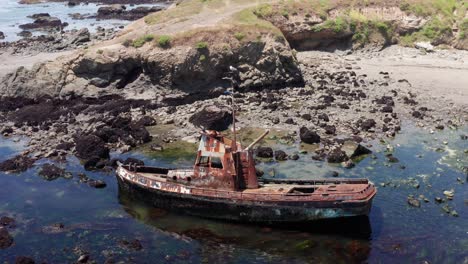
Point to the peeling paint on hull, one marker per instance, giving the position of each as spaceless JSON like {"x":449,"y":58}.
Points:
{"x":241,"y":210}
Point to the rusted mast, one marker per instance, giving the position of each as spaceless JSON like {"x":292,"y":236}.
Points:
{"x":233,"y":71}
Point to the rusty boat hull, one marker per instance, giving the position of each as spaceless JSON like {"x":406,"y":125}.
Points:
{"x":324,"y":199}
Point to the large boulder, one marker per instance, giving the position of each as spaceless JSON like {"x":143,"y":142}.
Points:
{"x":2,"y":35}
{"x":264,"y":152}
{"x":336,"y":156}
{"x":89,"y":146}
{"x":212,"y":118}
{"x":44,"y":21}
{"x":80,"y":36}
{"x":309,"y":137}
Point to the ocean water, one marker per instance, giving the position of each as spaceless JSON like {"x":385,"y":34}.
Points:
{"x":98,"y":220}
{"x":13,"y":14}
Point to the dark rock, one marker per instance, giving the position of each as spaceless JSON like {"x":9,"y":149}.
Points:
{"x":440,"y":127}
{"x":6,"y":240}
{"x":19,"y":163}
{"x":212,"y":118}
{"x":294,"y":157}
{"x":65,"y":146}
{"x":307,"y":117}
{"x":120,"y":12}
{"x":264,"y":152}
{"x":319,"y":156}
{"x":134,"y":161}
{"x":25,"y":34}
{"x":51,"y":172}
{"x":140,"y":133}
{"x":323,"y":117}
{"x":289,"y":121}
{"x":417,"y":114}
{"x":337,"y":156}
{"x":463,"y":137}
{"x":308,"y":136}
{"x":391,"y":158}
{"x":98,"y":184}
{"x":330,"y":130}
{"x":7,"y":221}
{"x":90,"y":146}
{"x":280,"y":155}
{"x":2,"y":35}
{"x":44,"y":21}
{"x":387,"y":109}
{"x":92,"y":163}
{"x":146,"y":121}
{"x":386,"y":100}
{"x":367,"y":124}
{"x":24,"y":260}
{"x":7,"y":130}
{"x":134,"y":244}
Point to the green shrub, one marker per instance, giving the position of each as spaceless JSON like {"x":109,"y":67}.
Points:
{"x":202,"y":58}
{"x":164,"y":41}
{"x":263,"y":11}
{"x":285,"y":13}
{"x":201,"y":45}
{"x":139,"y":42}
{"x":463,"y":29}
{"x":239,"y":36}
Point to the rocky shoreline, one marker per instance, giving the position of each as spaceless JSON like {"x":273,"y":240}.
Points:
{"x":337,"y":109}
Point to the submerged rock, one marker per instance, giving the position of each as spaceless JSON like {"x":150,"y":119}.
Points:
{"x":51,"y":172}
{"x":414,"y":202}
{"x":134,"y":244}
{"x":6,"y":240}
{"x":7,"y":221}
{"x":24,"y":260}
{"x":280,"y":155}
{"x":19,"y":163}
{"x":98,"y":184}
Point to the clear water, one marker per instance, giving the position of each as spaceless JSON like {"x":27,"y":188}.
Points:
{"x":13,"y":14}
{"x":97,"y":219}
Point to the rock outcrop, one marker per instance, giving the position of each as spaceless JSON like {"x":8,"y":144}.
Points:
{"x":107,"y":70}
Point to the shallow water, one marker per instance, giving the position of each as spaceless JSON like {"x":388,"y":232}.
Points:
{"x":13,"y":14}
{"x":97,"y":220}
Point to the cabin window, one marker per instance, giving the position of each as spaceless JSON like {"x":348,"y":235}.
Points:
{"x":216,"y":163}
{"x":203,"y":161}
{"x":206,"y":161}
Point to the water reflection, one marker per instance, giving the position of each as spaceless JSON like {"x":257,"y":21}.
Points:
{"x":342,"y":240}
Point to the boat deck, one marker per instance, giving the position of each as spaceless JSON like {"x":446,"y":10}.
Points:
{"x":283,"y":186}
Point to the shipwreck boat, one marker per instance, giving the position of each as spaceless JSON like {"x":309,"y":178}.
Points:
{"x":223,"y":185}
